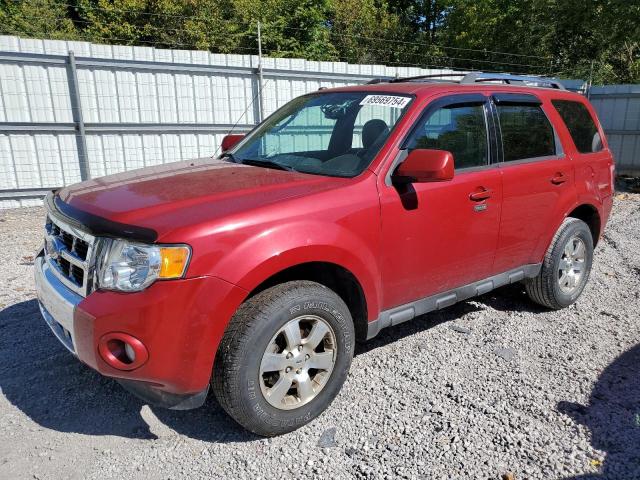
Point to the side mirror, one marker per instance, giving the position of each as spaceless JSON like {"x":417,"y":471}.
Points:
{"x":422,"y":165}
{"x":229,"y":141}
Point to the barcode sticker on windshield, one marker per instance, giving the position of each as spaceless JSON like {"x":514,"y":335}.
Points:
{"x":392,"y":101}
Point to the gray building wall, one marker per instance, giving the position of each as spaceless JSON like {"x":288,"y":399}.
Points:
{"x":618,"y":108}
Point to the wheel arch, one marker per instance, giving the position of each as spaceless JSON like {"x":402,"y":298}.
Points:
{"x":333,"y":276}
{"x":590,"y":215}
{"x":586,"y":211}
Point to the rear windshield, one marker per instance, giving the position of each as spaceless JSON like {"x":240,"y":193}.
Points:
{"x":581,"y":126}
{"x":335,"y":134}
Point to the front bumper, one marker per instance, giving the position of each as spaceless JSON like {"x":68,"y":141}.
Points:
{"x":57,"y":303}
{"x":180,"y":322}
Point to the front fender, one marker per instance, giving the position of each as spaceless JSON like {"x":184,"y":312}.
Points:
{"x":258,"y":257}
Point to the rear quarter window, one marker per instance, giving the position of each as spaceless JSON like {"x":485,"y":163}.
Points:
{"x":580,"y":124}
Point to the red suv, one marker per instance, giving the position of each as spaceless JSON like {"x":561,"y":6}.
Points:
{"x":347,"y":211}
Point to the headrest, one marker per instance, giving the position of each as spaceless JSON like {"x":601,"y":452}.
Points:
{"x":372,"y":130}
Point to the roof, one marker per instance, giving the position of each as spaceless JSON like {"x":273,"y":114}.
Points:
{"x":475,"y":81}
{"x":424,"y":90}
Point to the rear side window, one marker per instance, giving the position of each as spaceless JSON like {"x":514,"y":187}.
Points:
{"x":526,"y":132}
{"x":580,"y":124}
{"x":459,"y":129}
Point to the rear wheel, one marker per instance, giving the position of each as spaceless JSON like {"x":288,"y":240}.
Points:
{"x":566,"y":266}
{"x":284,"y":357}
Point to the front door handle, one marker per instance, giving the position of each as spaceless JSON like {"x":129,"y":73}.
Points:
{"x":481,"y":194}
{"x":559,"y":178}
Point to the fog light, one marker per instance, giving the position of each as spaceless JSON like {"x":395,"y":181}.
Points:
{"x":122,"y":351}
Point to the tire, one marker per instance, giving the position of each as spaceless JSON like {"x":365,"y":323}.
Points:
{"x":550,"y":288}
{"x":244,"y":380}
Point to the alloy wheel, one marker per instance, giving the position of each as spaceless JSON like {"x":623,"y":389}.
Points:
{"x":572,"y":265}
{"x":298,"y":362}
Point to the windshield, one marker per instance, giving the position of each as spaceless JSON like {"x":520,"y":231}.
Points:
{"x":336,"y":134}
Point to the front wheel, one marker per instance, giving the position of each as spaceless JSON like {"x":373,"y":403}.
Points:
{"x":566,"y":266}
{"x":284,"y":357}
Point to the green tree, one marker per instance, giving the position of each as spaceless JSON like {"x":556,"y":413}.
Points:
{"x":290,"y":28}
{"x":423,"y":17}
{"x":37,"y":19}
{"x":163,"y":23}
{"x":480,"y":31}
{"x":365,"y":31}
{"x":597,"y":39}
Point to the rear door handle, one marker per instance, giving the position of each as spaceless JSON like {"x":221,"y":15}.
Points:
{"x":481,"y":195}
{"x":559,"y":178}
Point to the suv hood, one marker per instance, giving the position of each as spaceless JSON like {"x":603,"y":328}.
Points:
{"x":174,"y":195}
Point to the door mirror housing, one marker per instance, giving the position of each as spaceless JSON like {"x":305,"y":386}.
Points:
{"x":422,"y":165}
{"x":230,"y":141}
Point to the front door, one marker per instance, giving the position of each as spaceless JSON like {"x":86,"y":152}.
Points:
{"x":438,"y":236}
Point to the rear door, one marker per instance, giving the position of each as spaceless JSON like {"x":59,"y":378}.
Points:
{"x":438,"y":236}
{"x":537,"y":176}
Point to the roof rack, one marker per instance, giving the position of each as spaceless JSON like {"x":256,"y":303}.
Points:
{"x":468,"y":78}
{"x":509,"y":79}
{"x":437,"y":77}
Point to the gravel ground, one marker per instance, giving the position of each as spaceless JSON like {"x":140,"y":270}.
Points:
{"x":491,"y":388}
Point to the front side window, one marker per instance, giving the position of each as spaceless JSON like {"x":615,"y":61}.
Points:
{"x":526,"y":132}
{"x":335,"y":134}
{"x":459,"y":129}
{"x":581,"y":126}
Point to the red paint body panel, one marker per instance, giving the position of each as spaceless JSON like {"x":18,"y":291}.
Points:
{"x":247,"y":223}
{"x":530,"y":204}
{"x":340,"y":225}
{"x":178,"y":321}
{"x":186,"y":194}
{"x":433,"y":239}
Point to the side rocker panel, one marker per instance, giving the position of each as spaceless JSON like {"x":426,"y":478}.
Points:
{"x":406,"y":312}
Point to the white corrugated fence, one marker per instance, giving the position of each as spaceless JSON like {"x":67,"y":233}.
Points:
{"x":74,"y":110}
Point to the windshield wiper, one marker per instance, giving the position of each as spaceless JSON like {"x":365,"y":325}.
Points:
{"x":268,"y":164}
{"x":230,"y":156}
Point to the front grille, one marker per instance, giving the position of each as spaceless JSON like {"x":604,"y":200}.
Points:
{"x":77,"y":274}
{"x":72,"y":243}
{"x":69,"y":250}
{"x":81,"y":248}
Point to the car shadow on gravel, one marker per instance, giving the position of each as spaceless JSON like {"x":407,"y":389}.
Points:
{"x":510,"y":298}
{"x":42,"y":379}
{"x":418,"y":324}
{"x":613,"y":417}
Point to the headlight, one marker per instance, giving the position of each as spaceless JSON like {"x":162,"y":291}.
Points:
{"x":130,"y":267}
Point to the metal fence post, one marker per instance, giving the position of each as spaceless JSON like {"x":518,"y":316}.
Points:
{"x":260,"y":76}
{"x":590,"y":83}
{"x":76,"y":108}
